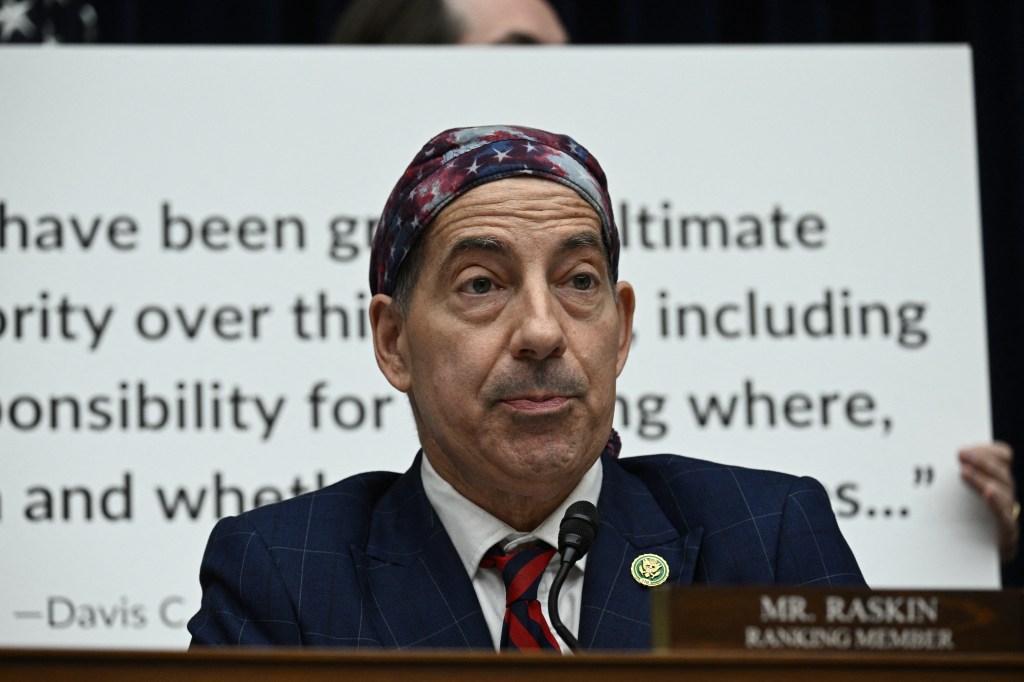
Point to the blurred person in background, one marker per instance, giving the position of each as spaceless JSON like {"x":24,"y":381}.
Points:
{"x":439,"y":22}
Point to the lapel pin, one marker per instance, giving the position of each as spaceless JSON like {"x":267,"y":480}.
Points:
{"x":649,"y":569}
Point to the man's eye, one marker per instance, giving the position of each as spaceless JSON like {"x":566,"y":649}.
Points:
{"x":582,"y":282}
{"x":480,"y":285}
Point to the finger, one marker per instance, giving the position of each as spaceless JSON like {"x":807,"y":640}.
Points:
{"x":985,"y":483}
{"x":997,"y":494}
{"x":1002,"y":505}
{"x":970,"y":475}
{"x":1001,"y":501}
{"x":991,"y":461}
{"x":996,"y":448}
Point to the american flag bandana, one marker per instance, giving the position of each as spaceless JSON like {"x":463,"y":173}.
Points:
{"x":462,"y":158}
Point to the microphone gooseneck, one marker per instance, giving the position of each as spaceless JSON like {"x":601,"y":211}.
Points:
{"x":575,"y":536}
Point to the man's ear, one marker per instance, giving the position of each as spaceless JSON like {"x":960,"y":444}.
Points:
{"x":389,"y":341}
{"x":625,"y":303}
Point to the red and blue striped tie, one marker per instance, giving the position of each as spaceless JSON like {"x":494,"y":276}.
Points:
{"x":525,"y":627}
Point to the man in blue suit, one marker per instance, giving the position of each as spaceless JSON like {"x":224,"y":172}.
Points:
{"x":497,"y":309}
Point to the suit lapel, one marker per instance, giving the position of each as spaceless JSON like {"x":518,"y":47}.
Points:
{"x":419,"y":593}
{"x":616,"y":608}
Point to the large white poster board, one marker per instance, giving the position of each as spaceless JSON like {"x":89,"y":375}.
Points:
{"x":183,"y":256}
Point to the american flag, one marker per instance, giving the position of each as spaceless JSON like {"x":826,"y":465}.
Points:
{"x":48,"y":21}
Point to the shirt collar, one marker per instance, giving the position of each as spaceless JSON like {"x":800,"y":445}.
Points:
{"x":473,"y":531}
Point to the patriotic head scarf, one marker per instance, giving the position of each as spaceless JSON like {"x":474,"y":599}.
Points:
{"x":462,"y":158}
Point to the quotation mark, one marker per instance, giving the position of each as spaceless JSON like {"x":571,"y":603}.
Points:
{"x":924,"y":475}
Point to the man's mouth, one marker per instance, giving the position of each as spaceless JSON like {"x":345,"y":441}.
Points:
{"x":536,"y":403}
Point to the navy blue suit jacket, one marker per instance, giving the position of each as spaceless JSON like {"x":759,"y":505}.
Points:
{"x":366,"y":562}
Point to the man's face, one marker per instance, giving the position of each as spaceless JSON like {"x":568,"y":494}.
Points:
{"x":512,"y":342}
{"x":498,"y":22}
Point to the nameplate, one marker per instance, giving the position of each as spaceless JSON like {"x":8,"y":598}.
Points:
{"x":822,"y":619}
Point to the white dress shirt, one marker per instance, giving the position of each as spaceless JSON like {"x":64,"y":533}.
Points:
{"x":473,"y":531}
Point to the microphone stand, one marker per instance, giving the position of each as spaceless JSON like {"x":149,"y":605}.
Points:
{"x":575,"y":535}
{"x":556,"y":621}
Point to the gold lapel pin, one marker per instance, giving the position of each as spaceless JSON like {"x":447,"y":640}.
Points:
{"x":649,"y":569}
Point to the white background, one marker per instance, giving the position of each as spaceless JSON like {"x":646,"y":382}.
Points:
{"x":878,"y":142}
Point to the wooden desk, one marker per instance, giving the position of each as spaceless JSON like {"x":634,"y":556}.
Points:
{"x":285,"y":664}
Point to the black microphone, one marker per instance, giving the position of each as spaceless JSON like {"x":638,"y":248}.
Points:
{"x":575,"y":536}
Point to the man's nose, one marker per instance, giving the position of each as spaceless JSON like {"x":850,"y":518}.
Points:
{"x":539,"y":332}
